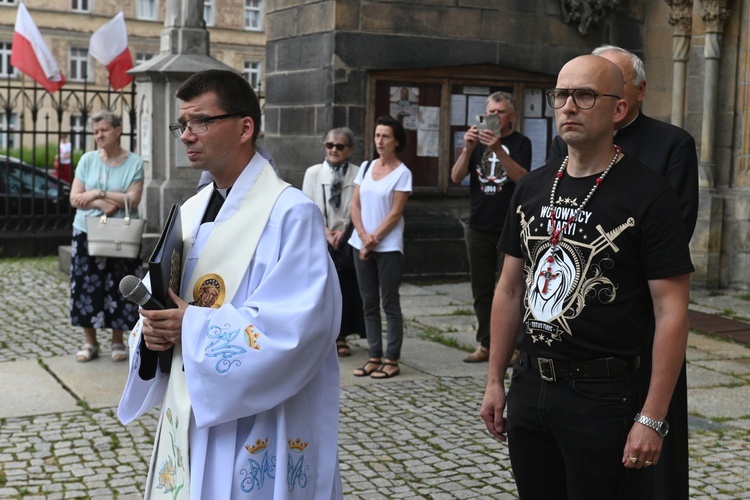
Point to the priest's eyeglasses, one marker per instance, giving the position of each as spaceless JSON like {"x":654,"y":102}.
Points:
{"x":582,"y":98}
{"x":197,"y":126}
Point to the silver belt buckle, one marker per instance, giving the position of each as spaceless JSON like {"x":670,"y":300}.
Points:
{"x":546,"y":369}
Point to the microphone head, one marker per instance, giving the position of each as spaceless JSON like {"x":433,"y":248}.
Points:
{"x":134,"y":290}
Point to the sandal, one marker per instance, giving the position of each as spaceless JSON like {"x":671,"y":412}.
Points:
{"x":87,"y":353}
{"x":363,"y":372}
{"x":342,"y":349}
{"x":380,"y":373}
{"x":119,"y":352}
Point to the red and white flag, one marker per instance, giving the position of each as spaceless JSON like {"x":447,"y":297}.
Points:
{"x":30,"y":54}
{"x":109,"y":46}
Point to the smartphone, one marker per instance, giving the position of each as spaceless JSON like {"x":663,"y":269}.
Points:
{"x":491,"y":122}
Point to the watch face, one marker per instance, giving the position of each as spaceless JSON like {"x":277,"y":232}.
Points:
{"x":663,"y":429}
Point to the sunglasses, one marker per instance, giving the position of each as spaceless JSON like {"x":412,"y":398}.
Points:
{"x":339,"y":147}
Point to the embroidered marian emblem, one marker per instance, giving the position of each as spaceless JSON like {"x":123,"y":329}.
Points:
{"x":296,"y":473}
{"x":261,"y":466}
{"x":209,"y":291}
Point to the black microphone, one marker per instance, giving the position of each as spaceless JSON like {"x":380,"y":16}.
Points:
{"x":134,"y":290}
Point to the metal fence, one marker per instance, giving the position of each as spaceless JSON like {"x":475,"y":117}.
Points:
{"x":32,"y":200}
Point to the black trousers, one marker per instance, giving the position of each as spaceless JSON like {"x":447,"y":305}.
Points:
{"x":566,"y":438}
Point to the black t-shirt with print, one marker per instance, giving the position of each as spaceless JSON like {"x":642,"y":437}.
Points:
{"x":491,"y":189}
{"x":595,"y":301}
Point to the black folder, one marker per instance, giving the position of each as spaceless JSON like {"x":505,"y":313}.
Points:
{"x":165,"y":272}
{"x":165,"y":263}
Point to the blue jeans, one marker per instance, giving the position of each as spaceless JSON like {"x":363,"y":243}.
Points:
{"x":485,"y":263}
{"x":380,"y":277}
{"x":566,"y":438}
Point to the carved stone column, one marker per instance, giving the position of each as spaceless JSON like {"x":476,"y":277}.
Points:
{"x":706,"y":245}
{"x":681,"y":18}
{"x":714,"y":15}
{"x":184,"y":50}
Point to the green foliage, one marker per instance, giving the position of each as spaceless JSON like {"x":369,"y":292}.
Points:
{"x":728,"y":311}
{"x":41,"y":156}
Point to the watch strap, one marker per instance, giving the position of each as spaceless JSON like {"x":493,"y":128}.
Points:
{"x":661,"y":427}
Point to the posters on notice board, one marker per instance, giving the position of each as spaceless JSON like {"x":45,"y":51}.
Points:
{"x":404,"y":106}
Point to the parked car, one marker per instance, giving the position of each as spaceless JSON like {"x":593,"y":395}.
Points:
{"x":26,"y":190}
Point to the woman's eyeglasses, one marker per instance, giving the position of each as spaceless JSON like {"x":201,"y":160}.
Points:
{"x":339,"y":147}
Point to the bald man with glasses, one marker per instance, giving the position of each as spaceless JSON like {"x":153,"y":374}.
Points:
{"x":671,"y":152}
{"x":596,"y":253}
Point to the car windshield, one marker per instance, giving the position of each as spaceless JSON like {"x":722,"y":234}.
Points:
{"x":25,"y":182}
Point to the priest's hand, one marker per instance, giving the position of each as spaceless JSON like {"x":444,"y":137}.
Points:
{"x":163,"y":329}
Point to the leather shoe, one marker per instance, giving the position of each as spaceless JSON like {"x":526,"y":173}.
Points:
{"x":481,"y":355}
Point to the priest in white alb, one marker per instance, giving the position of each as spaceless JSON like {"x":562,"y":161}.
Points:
{"x":250,"y":400}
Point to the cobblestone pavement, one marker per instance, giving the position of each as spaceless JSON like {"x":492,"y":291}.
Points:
{"x":416,"y":436}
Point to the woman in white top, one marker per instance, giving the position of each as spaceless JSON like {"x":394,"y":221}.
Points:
{"x":383,"y":187}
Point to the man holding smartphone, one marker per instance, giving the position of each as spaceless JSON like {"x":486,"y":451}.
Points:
{"x":495,"y":161}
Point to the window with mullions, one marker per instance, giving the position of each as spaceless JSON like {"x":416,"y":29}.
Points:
{"x":78,"y":133}
{"x":208,"y":12}
{"x":6,"y":69}
{"x":254,"y":15}
{"x":8,"y":140}
{"x":146,"y":9}
{"x":252,"y":72}
{"x":80,"y":5}
{"x":80,"y":65}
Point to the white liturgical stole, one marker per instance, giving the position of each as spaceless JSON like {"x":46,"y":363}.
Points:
{"x":214,"y":281}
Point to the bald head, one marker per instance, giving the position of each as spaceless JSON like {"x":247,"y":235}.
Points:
{"x":591,"y":126}
{"x":594,"y":72}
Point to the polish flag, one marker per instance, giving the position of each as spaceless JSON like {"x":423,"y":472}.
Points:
{"x":30,"y":54}
{"x":109,"y":46}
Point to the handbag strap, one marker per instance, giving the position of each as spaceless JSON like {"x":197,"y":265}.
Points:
{"x":127,"y":205}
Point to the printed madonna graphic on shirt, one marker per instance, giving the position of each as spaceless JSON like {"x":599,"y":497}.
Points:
{"x":491,"y":173}
{"x":565,"y":276}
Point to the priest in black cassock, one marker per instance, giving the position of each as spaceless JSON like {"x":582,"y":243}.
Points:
{"x":670,"y":151}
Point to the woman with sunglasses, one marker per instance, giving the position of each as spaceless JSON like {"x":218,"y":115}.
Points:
{"x":330,"y":185}
{"x":383,"y":187}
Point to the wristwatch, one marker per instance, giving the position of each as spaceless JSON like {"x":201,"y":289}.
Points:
{"x":661,"y":427}
{"x":102,"y":193}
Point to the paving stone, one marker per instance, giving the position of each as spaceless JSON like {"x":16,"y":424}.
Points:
{"x":416,"y":436}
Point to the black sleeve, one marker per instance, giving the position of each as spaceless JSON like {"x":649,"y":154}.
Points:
{"x":664,"y":244}
{"x":682,"y":173}
{"x":150,"y":359}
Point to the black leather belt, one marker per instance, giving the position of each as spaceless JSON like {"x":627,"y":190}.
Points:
{"x":552,"y":370}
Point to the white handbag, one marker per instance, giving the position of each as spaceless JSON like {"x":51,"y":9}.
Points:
{"x":115,"y":237}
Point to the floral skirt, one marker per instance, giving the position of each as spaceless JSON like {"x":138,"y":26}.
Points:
{"x":95,"y":298}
